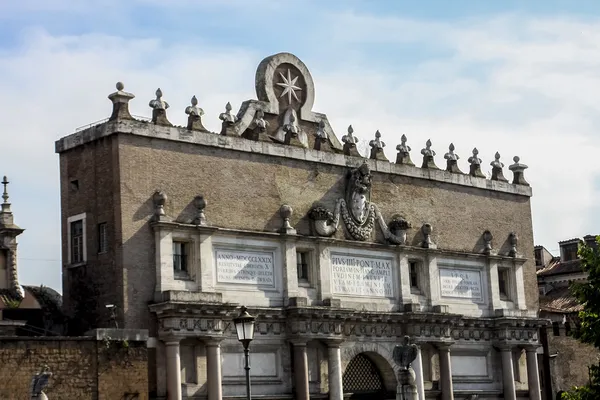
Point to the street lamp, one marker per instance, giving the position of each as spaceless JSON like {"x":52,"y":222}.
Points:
{"x":244,"y":327}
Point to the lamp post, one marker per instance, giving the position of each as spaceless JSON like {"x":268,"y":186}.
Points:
{"x":244,"y":327}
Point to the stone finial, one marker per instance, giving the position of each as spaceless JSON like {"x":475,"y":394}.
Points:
{"x":513,"y":240}
{"x":518,"y":170}
{"x":195,"y":114}
{"x":286,"y":213}
{"x":291,"y":129}
{"x":487,"y":242}
{"x":377,"y":146}
{"x":257,"y":130}
{"x":350,"y":143}
{"x":321,"y":138}
{"x":452,"y":160}
{"x":228,"y":120}
{"x":159,"y":198}
{"x":403,"y":156}
{"x":475,"y":168}
{"x":159,"y":109}
{"x":5,"y":203}
{"x":426,"y":231}
{"x":497,"y":174}
{"x":428,"y":155}
{"x":120,"y":100}
{"x":200,"y":205}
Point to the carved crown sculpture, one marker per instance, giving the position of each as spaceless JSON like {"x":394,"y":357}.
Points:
{"x":428,"y":155}
{"x":350,"y":143}
{"x":403,"y":156}
{"x":452,"y":160}
{"x":475,"y":168}
{"x":404,"y":354}
{"x":159,"y":109}
{"x":195,"y":114}
{"x":497,"y":174}
{"x":377,"y":146}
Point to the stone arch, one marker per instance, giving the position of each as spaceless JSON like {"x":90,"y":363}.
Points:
{"x":379,"y":354}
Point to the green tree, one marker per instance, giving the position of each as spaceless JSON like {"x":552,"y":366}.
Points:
{"x":588,"y":294}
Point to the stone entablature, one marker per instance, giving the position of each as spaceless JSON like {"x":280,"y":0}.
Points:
{"x":140,"y":128}
{"x":209,"y":320}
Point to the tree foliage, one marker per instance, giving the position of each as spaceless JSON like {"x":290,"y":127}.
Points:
{"x":588,"y":295}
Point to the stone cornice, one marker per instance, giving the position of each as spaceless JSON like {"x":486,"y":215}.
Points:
{"x":210,"y":230}
{"x":181,"y":134}
{"x":324,"y":323}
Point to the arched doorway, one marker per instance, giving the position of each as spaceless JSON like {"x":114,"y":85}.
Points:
{"x":363,"y":380}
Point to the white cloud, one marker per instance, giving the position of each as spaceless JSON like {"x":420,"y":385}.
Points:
{"x":510,"y":84}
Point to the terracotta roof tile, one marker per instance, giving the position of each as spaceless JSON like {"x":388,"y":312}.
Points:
{"x":560,"y":300}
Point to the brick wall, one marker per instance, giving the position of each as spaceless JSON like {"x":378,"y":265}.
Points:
{"x":82,"y":368}
{"x":570,"y":365}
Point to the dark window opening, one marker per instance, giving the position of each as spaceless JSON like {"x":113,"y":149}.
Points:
{"x":413,"y":274}
{"x":555,"y":329}
{"x":302,"y":265}
{"x":180,"y":262}
{"x":503,"y":283}
{"x":75,"y":185}
{"x":77,"y":241}
{"x":102,"y":238}
{"x":570,"y":252}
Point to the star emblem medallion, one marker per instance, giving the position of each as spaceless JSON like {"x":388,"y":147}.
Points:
{"x":289,"y":86}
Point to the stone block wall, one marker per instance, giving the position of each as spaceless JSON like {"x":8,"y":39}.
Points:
{"x":82,"y":368}
{"x":570,"y":365}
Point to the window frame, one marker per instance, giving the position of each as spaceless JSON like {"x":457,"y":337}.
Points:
{"x":506,"y":294}
{"x":304,"y":281}
{"x":70,"y":220}
{"x":415,"y":289}
{"x":184,"y":246}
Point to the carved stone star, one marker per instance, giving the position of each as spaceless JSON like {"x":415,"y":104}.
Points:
{"x":289,"y":86}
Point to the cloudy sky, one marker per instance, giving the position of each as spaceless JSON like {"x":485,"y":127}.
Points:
{"x":521,"y":78}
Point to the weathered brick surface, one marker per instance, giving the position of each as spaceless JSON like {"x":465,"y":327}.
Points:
{"x":118,"y":175}
{"x":82,"y":368}
{"x":570,"y":366}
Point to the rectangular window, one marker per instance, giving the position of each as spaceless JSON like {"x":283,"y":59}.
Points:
{"x":180,"y":261}
{"x":302,"y":265}
{"x":413,"y":270}
{"x":77,"y":241}
{"x":555,"y":329}
{"x":503,"y":283}
{"x":102,"y":238}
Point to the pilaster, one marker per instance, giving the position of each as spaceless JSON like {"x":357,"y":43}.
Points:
{"x":445,"y":370}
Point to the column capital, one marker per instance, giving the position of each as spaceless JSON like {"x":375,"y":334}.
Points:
{"x":504,"y":346}
{"x":170,"y":340}
{"x":444,"y":345}
{"x":212,"y":340}
{"x":333,"y":342}
{"x":531,"y":347}
{"x":299,"y":342}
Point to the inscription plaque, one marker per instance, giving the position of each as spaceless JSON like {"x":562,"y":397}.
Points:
{"x":245,"y":267}
{"x":361,"y":276}
{"x":460,"y":283}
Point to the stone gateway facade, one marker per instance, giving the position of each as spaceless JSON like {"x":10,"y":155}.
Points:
{"x":336,"y":255}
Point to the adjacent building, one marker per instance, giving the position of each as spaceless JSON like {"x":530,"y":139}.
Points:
{"x":566,"y":360}
{"x":173,"y":228}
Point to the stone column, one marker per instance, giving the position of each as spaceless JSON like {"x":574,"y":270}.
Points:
{"x":533,"y":375}
{"x":173,"y":369}
{"x":417,"y":366}
{"x":213,"y":368}
{"x":445,"y":370}
{"x":334,"y":363}
{"x":301,"y":370}
{"x":508,"y":374}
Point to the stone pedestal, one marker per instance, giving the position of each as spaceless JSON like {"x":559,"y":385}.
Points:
{"x":407,"y":389}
